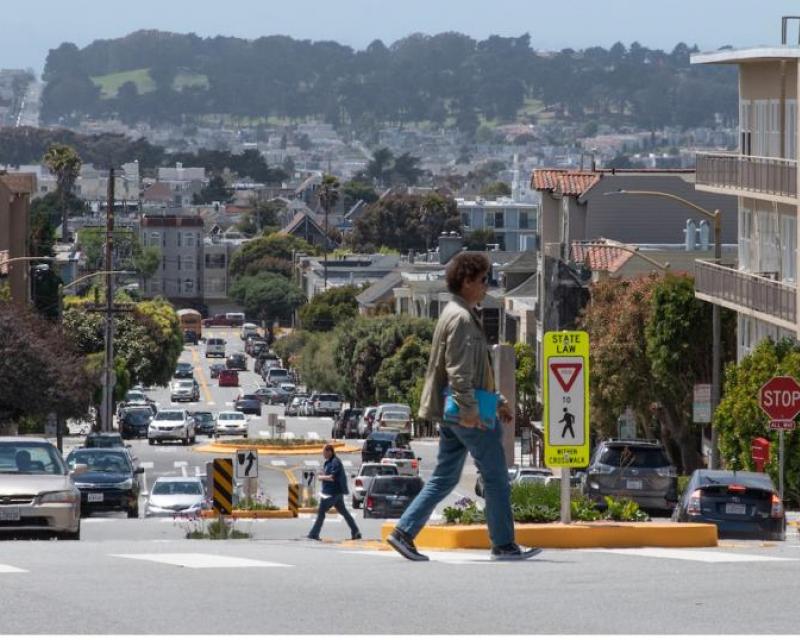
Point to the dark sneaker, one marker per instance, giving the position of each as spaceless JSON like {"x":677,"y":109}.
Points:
{"x":356,"y":536}
{"x":513,"y":551}
{"x":310,"y":537}
{"x":404,"y":545}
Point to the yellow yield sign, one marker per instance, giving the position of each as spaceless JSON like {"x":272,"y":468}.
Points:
{"x":566,"y":398}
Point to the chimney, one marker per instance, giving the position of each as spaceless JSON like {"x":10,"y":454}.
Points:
{"x":449,"y":245}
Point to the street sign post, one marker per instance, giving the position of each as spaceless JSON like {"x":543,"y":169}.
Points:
{"x":566,"y":405}
{"x":701,"y":405}
{"x":779,"y":398}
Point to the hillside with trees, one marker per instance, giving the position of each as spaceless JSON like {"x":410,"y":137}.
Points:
{"x":448,"y":78}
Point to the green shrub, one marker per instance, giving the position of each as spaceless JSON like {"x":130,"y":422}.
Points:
{"x":583,"y":509}
{"x":683,"y":482}
{"x":624,"y":510}
{"x":527,"y":494}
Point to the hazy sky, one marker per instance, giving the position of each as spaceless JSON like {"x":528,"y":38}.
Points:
{"x":29,"y":28}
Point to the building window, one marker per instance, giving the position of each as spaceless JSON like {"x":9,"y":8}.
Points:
{"x":215,"y":261}
{"x":155,"y":239}
{"x":465,"y":219}
{"x":745,"y":239}
{"x":215,"y":285}
{"x":188,"y":239}
{"x":163,"y":263}
{"x":788,"y":248}
{"x":499,"y":220}
{"x":180,"y":239}
{"x":524,"y":220}
{"x":188,"y":263}
{"x":179,"y":263}
{"x":188,"y":285}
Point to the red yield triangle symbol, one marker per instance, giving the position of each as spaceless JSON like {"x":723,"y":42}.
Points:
{"x":566,"y":374}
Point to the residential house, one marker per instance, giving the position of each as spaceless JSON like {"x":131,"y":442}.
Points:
{"x":513,"y":223}
{"x":762,"y":176}
{"x":179,"y":238}
{"x":354,"y":270}
{"x":183,"y":182}
{"x":15,"y":196}
{"x":308,"y":227}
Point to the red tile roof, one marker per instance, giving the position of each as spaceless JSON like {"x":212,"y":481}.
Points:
{"x":600,"y":258}
{"x":19,"y":183}
{"x":564,"y":181}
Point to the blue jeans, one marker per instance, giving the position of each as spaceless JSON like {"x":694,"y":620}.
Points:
{"x":338,"y":503}
{"x":486,"y":448}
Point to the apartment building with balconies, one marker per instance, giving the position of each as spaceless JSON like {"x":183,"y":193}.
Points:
{"x":513,"y":223}
{"x":763,"y":176}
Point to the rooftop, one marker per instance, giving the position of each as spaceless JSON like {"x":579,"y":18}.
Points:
{"x":753,"y":54}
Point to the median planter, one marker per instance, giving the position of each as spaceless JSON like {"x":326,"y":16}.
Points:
{"x":585,"y":535}
{"x":244,"y":514}
{"x":291,"y":447}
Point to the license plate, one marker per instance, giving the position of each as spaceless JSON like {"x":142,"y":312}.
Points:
{"x":94,"y":497}
{"x":736,"y":509}
{"x":634,"y":484}
{"x":9,"y":514}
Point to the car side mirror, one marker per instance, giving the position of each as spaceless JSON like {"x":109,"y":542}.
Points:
{"x":419,"y":459}
{"x":352,"y":475}
{"x":139,"y":470}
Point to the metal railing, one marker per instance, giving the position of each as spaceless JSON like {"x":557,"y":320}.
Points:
{"x":773,"y":176}
{"x":746,"y":290}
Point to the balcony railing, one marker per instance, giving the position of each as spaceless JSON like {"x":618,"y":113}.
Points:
{"x":746,"y":292}
{"x":748,"y":174}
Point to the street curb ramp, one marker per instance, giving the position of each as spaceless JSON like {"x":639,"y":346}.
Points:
{"x":585,"y":535}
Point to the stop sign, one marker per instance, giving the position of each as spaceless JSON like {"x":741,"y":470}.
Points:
{"x":779,"y":398}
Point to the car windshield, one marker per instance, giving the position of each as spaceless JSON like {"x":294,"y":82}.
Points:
{"x":378,"y":470}
{"x":231,"y":416}
{"x":184,"y":366}
{"x":184,"y":384}
{"x":395,"y":415}
{"x":177,"y":487}
{"x":105,"y":440}
{"x":278,"y":372}
{"x":169,"y":415}
{"x":104,"y":461}
{"x":751,"y":480}
{"x":396,"y":486}
{"x":30,"y":458}
{"x":328,"y":397}
{"x":249,"y":396}
{"x":134,"y":395}
{"x":631,"y":456}
{"x":203,"y":417}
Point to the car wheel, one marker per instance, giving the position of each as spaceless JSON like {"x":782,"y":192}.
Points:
{"x":151,"y":441}
{"x":185,"y":442}
{"x":192,"y":440}
{"x":356,"y":504}
{"x":133,"y":513}
{"x":70,"y":535}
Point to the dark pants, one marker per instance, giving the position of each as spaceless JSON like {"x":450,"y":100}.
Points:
{"x":336,"y":502}
{"x":486,"y":448}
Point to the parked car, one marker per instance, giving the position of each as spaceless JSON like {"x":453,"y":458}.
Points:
{"x":293,"y":408}
{"x":265,"y":361}
{"x":388,"y":496}
{"x":231,"y":423}
{"x":228,"y":378}
{"x":109,"y":481}
{"x":637,"y":469}
{"x":134,"y":422}
{"x":185,"y":391}
{"x":248,"y":329}
{"x":518,"y":475}
{"x":272,"y":395}
{"x":743,"y":504}
{"x":248,"y":403}
{"x":215,"y":369}
{"x":392,"y":417}
{"x":347,"y":424}
{"x":405,"y":460}
{"x":379,"y":442}
{"x":365,"y":423}
{"x":176,"y":496}
{"x":288,"y":387}
{"x":224,"y":320}
{"x":136,"y":398}
{"x":363,"y":479}
{"x":104,"y":440}
{"x":275,"y":376}
{"x":236,"y":361}
{"x":184,"y":370}
{"x":215,"y":348}
{"x":171,"y":424}
{"x":37,"y":491}
{"x":204,"y":422}
{"x":326,"y":404}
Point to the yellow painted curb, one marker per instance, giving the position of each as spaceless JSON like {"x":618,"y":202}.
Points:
{"x":298,"y":450}
{"x":572,"y":536}
{"x":331,"y":512}
{"x":240,"y":514}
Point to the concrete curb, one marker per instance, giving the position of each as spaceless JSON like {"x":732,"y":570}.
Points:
{"x":609,"y":535}
{"x":240,"y":514}
{"x":298,"y":450}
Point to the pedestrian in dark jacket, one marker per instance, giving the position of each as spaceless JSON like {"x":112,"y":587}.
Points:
{"x":334,"y":489}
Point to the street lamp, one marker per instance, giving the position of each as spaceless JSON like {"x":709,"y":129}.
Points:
{"x":716,"y":355}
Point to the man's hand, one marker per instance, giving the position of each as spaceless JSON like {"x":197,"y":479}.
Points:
{"x":505,"y":414}
{"x":471,"y":423}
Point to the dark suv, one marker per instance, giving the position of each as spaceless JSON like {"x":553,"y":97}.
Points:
{"x":379,"y":442}
{"x":637,"y":469}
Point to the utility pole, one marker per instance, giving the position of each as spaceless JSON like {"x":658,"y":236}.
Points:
{"x":108,"y":366}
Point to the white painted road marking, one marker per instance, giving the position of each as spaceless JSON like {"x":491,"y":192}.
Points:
{"x":278,"y":463}
{"x":7,"y":568}
{"x":200,"y":560}
{"x":179,"y":463}
{"x":311,"y":463}
{"x":146,"y":465}
{"x":446,"y":557}
{"x":694,"y":555}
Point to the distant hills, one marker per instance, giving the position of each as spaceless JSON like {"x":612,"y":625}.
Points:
{"x":445,"y":79}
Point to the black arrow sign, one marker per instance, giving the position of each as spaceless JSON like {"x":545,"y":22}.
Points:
{"x":250,"y":460}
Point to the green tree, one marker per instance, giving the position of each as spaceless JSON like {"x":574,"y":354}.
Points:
{"x":495,"y":189}
{"x":355,"y":190}
{"x":406,"y":170}
{"x":328,"y":195}
{"x":65,"y":163}
{"x":146,"y":261}
{"x":269,"y":253}
{"x":330,"y":308}
{"x":478,"y":239}
{"x":739,"y":419}
{"x":380,"y":164}
{"x":528,"y":409}
{"x":398,"y":374}
{"x":316,"y":364}
{"x":268,"y":297}
{"x":215,"y":191}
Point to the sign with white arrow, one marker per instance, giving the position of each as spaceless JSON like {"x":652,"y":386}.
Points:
{"x":246,"y":464}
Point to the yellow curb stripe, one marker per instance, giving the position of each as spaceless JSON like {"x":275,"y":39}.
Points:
{"x":242,"y":514}
{"x":574,"y":536}
{"x":201,"y":376}
{"x":300,"y":450}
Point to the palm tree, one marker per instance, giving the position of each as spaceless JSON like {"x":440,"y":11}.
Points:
{"x":328,"y":195}
{"x":65,"y":163}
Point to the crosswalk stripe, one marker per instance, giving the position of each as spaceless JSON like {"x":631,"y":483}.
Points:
{"x":694,"y":555}
{"x":200,"y":560}
{"x":445,"y":557}
{"x":7,"y":568}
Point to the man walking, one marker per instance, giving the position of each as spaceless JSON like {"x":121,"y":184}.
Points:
{"x":334,"y":488}
{"x":460,"y":362}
